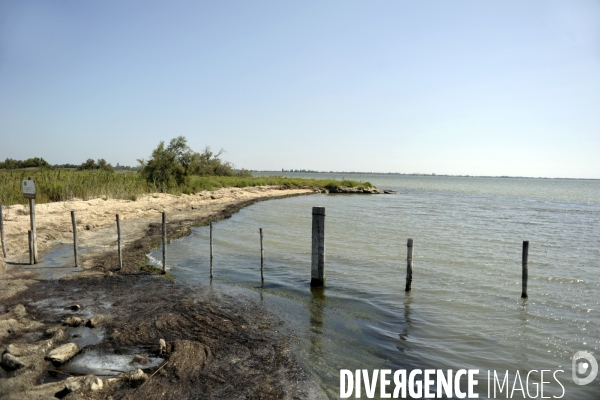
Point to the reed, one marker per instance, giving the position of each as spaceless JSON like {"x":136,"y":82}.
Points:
{"x":63,"y":184}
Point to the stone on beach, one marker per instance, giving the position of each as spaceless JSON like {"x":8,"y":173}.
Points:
{"x":97,"y":320}
{"x":11,"y":362}
{"x":64,"y":353}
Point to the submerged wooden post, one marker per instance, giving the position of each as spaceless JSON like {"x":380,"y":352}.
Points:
{"x":211,"y":249}
{"x":119,"y":242}
{"x":262,"y":258}
{"x":74,"y":237}
{"x":2,"y":232}
{"x":164,"y":241}
{"x":525,"y":255}
{"x":409,"y":265}
{"x":317,"y":271}
{"x":30,"y":239}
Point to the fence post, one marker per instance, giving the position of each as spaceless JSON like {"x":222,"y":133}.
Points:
{"x":211,"y":248}
{"x":119,"y":242}
{"x":30,"y":239}
{"x":525,"y":272}
{"x":318,"y":247}
{"x":262,"y":258}
{"x":74,"y":238}
{"x":409,"y":265}
{"x":33,"y":229}
{"x":2,"y":232}
{"x":164,"y":241}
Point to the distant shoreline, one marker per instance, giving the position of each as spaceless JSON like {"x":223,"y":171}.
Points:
{"x":415,"y":174}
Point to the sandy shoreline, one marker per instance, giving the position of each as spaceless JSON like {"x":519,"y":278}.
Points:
{"x":96,"y":226}
{"x":185,"y":319}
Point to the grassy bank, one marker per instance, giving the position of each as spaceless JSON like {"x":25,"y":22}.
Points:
{"x":60,"y":185}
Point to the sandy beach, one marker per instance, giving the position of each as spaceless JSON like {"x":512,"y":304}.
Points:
{"x":211,"y":341}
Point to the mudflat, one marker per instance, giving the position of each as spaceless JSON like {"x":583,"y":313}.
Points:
{"x":148,"y":336}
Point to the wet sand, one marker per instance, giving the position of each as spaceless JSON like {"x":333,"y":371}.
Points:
{"x":216,"y":346}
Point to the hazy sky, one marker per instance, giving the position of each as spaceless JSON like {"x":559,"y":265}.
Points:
{"x":446,"y":87}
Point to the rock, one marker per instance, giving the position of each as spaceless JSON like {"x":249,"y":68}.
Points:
{"x":142,"y":360}
{"x":97,"y":320}
{"x":73,"y":384}
{"x":64,"y":353}
{"x":74,"y":321}
{"x":133,"y":376}
{"x":76,"y":307}
{"x":57,"y":333}
{"x":89,"y":227}
{"x":18,"y":311}
{"x":162,"y":347}
{"x":92,"y":383}
{"x":8,"y":327}
{"x":11,"y":362}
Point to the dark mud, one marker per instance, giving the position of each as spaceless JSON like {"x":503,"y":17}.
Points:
{"x":217,"y":346}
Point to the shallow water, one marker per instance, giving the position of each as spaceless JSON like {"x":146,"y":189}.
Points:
{"x":56,"y":263}
{"x":464,"y":310}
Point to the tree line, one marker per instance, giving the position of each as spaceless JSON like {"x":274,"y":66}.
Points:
{"x":169,"y":166}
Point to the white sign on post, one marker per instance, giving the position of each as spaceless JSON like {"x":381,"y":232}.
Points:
{"x":28,"y":189}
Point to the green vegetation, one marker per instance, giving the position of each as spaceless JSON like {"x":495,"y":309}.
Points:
{"x":60,"y":185}
{"x":36,"y":162}
{"x":174,"y":169}
{"x":101,"y":165}
{"x":174,"y":165}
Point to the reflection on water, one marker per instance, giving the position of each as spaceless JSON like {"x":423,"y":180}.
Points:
{"x":407,"y":322}
{"x":316,"y":306}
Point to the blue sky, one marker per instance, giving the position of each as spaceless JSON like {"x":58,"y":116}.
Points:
{"x":446,"y":87}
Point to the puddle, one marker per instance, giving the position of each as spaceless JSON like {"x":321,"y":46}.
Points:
{"x":85,"y":336}
{"x":56,"y":263}
{"x":93,"y":362}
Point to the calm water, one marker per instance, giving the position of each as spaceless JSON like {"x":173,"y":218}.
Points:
{"x":465,"y":309}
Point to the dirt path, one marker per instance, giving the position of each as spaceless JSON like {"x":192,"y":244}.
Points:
{"x":216,"y":346}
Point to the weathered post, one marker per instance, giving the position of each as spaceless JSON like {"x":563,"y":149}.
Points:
{"x":525,"y":255}
{"x":119,"y":242}
{"x":2,"y":232}
{"x":164,"y":241}
{"x":74,"y":238}
{"x":29,"y":193}
{"x":409,"y":265}
{"x":262,"y":258}
{"x":211,"y":249}
{"x":318,"y":247}
{"x":30,"y":239}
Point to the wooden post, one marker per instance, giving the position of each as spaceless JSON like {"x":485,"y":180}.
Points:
{"x":33,"y":230}
{"x":30,"y":239}
{"x":318,"y":247}
{"x":525,"y":255}
{"x":409,"y":265}
{"x":119,"y":242}
{"x":262,"y":258}
{"x":211,"y":249}
{"x":74,"y":238}
{"x":2,"y":232}
{"x":164,"y":241}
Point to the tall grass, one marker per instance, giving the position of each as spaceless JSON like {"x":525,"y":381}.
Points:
{"x":62,"y":184}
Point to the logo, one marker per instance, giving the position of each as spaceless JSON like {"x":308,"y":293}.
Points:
{"x":24,"y":183}
{"x":584,"y":367}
